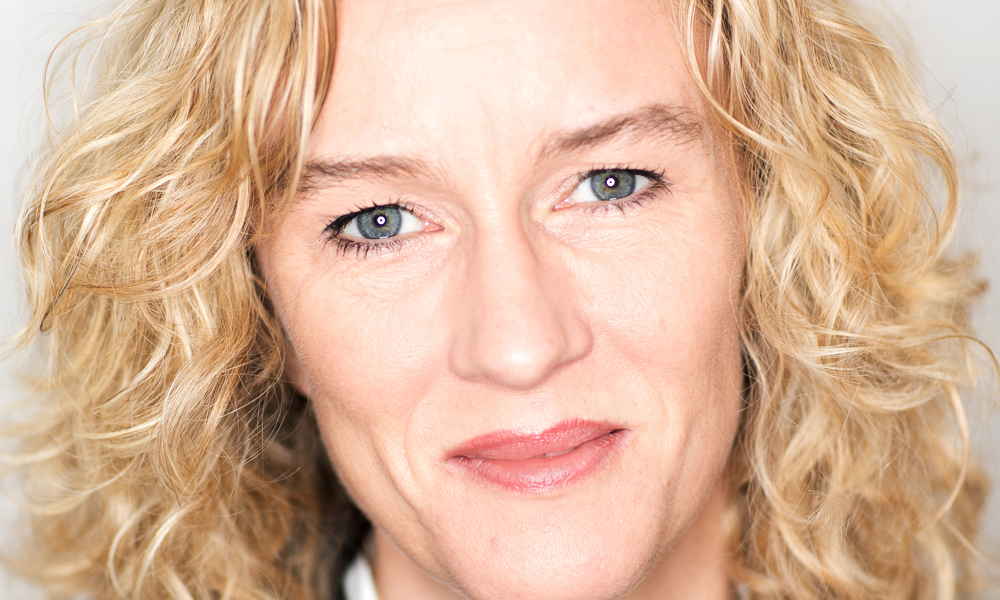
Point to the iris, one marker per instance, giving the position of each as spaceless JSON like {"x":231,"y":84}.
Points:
{"x":378,"y":223}
{"x":612,"y":185}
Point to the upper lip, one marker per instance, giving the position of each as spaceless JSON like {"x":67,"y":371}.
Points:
{"x":519,"y":445}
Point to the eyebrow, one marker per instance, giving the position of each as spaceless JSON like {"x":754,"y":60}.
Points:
{"x":321,"y":174}
{"x":668,"y":123}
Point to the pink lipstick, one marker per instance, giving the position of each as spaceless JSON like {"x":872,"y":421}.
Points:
{"x":539,"y":462}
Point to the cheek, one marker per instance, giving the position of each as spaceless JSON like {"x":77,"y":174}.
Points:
{"x":369,"y":359}
{"x":671,"y":303}
{"x":668,"y":313}
{"x":363,"y":358}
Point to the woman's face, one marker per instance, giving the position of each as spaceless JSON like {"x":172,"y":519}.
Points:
{"x":525,"y":364}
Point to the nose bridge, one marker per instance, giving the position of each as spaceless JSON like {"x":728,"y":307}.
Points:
{"x":517,"y":323}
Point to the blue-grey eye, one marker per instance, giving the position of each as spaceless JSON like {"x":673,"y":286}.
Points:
{"x":609,"y":185}
{"x":382,"y":222}
{"x":612,"y":185}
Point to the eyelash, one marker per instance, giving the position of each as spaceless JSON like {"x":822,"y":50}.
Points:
{"x":657,"y":184}
{"x":361,"y":249}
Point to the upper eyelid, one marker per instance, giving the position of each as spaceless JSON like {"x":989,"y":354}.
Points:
{"x":338,"y":224}
{"x":585,"y":175}
{"x":653,"y":176}
{"x":657,"y":179}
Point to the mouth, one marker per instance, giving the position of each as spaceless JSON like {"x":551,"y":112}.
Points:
{"x":539,"y":462}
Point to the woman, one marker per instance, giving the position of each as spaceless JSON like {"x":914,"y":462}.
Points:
{"x":500,"y":300}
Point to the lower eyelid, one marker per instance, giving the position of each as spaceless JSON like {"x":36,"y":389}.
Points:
{"x":620,"y":206}
{"x":361,"y":249}
{"x":653,"y":188}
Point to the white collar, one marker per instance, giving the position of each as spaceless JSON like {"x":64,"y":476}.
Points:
{"x":358,"y":581}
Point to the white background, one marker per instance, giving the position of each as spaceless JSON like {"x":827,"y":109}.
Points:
{"x":956,"y":46}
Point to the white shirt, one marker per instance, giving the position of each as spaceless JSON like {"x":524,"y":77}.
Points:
{"x":358,"y":581}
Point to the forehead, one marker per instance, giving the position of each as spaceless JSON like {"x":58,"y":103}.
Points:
{"x":493,"y":76}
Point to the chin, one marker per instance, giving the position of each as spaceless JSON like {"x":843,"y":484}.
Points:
{"x":565,"y":574}
{"x":586,"y":547}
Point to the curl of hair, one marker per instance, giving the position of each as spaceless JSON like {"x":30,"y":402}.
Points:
{"x":172,"y":461}
{"x":851,"y":475}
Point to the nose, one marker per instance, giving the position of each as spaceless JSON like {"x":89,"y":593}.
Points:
{"x":517,"y":319}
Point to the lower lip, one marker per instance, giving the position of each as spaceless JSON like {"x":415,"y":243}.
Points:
{"x":544,"y":474}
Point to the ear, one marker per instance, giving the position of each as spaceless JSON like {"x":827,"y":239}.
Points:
{"x":293,"y":371}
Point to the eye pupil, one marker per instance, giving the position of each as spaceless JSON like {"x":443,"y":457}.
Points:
{"x":612,"y":185}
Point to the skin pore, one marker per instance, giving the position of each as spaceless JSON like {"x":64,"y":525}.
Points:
{"x":562,"y":244}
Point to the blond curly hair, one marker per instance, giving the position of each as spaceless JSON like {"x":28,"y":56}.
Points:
{"x":170,"y":459}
